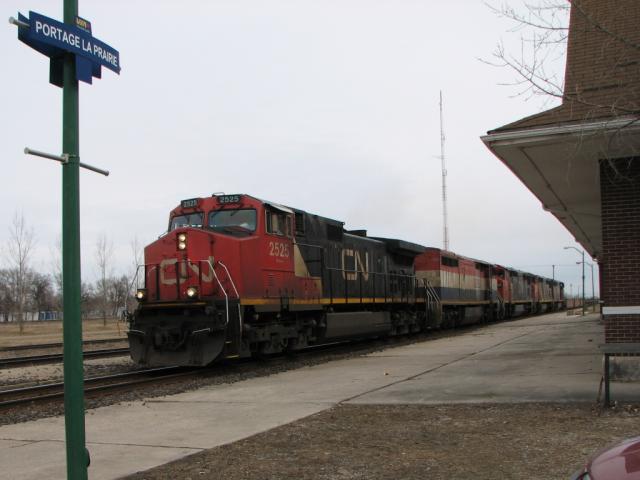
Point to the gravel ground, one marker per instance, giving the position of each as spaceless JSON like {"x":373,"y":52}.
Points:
{"x":50,"y":373}
{"x":375,"y":442}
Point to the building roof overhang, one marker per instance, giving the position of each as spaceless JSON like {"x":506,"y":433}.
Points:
{"x":560,"y":165}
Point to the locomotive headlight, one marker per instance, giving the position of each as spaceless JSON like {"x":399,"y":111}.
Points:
{"x":182,"y":241}
{"x":192,"y":292}
{"x":141,"y":294}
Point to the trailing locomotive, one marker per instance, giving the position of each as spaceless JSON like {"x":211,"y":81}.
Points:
{"x":235,"y":276}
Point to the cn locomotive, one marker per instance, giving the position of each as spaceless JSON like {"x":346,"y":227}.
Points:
{"x":236,"y":276}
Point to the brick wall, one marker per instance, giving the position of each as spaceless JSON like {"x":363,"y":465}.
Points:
{"x":620,"y":258}
{"x":602,"y":55}
{"x":622,"y":328}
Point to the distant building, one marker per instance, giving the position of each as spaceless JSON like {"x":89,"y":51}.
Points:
{"x":582,"y":159}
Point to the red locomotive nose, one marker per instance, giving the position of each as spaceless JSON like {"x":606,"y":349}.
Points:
{"x":180,"y":266}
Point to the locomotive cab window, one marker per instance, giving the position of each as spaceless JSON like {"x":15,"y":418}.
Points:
{"x":241,"y":220}
{"x":278,"y":223}
{"x":449,"y":262}
{"x":187,"y":220}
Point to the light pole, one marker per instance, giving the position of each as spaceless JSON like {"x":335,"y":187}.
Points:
{"x":582,"y":253}
{"x":593,"y":291}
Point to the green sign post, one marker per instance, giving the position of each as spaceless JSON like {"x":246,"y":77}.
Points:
{"x":77,"y":454}
{"x":75,"y":55}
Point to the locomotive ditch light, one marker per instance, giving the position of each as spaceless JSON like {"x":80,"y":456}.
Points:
{"x":192,"y":292}
{"x":141,"y":294}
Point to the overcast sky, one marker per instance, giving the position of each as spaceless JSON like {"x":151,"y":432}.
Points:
{"x":329,"y":106}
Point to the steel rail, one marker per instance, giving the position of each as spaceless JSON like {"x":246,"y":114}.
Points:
{"x":58,"y":357}
{"x":93,"y":385}
{"x":42,"y":346}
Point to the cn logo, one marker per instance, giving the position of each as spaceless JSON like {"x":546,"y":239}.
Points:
{"x":352,"y":265}
{"x":168,"y":266}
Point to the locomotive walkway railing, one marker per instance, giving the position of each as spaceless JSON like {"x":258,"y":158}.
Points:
{"x":433,"y":299}
{"x":225,"y":293}
{"x":226,"y":296}
{"x":184,"y":270}
{"x":394,"y":287}
{"x":156,"y":281}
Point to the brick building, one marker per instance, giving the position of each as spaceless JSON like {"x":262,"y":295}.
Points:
{"x":582,"y":159}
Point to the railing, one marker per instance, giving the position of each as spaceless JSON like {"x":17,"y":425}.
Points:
{"x":185,"y":270}
{"x":433,"y":299}
{"x":500,"y":306}
{"x":433,"y":307}
{"x":392,"y":285}
{"x":226,"y":296}
{"x":136,"y":281}
{"x":225,"y":293}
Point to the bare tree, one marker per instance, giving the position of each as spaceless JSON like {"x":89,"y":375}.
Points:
{"x":539,"y":63}
{"x":104,"y":254}
{"x":41,"y":295}
{"x":87,"y":299}
{"x":18,"y":254}
{"x":7,"y":295}
{"x":543,"y":28}
{"x":55,"y":255}
{"x":137,"y":258}
{"x":118,"y":293}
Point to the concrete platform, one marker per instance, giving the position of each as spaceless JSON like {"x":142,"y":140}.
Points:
{"x":552,"y":358}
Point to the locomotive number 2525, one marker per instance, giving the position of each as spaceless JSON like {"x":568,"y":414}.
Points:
{"x":278,"y":249}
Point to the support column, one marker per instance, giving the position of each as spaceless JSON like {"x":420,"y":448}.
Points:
{"x":620,"y":259}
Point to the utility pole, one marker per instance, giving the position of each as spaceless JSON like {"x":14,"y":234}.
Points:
{"x":581,"y":252}
{"x":445,"y":220}
{"x":593,"y":291}
{"x":584,"y":311}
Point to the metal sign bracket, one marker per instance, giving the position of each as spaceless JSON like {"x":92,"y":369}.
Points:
{"x":64,"y":159}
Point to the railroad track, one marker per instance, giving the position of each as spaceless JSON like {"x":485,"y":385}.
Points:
{"x":96,"y":386}
{"x":58,"y":357}
{"x":92,"y":386}
{"x":43,"y":346}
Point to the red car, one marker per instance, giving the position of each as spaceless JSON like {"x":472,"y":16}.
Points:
{"x":619,"y":462}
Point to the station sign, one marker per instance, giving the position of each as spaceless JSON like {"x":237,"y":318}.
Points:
{"x":54,"y":39}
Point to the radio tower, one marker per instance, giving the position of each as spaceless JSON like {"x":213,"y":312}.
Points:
{"x":445,"y":220}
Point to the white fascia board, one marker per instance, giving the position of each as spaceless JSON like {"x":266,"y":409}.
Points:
{"x":631,"y":310}
{"x":528,"y":135}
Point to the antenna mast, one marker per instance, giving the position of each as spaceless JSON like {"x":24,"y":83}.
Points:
{"x":445,"y":220}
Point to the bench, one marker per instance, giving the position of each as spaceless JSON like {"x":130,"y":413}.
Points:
{"x":615,"y":350}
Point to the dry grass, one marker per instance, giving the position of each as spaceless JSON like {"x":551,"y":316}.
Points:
{"x":51,"y":332}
